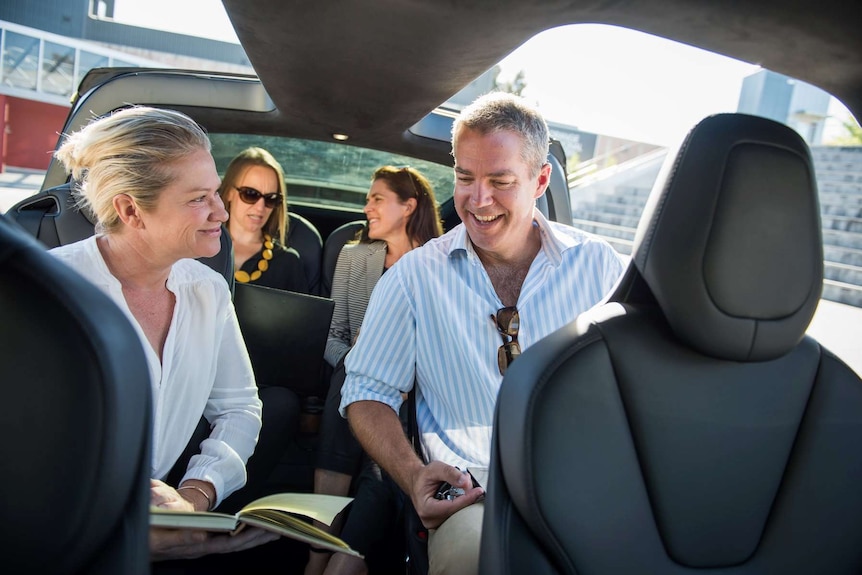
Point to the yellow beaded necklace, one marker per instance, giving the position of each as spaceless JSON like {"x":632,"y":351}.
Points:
{"x":262,"y":265}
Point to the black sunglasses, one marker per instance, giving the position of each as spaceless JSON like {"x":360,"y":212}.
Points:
{"x":251,"y":196}
{"x":508,"y":322}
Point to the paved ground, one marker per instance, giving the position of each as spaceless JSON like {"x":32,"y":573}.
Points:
{"x":16,"y":184}
{"x":837,"y":326}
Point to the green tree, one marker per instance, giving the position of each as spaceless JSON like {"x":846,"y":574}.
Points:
{"x":515,"y":86}
{"x":852,"y":137}
{"x":572,"y":162}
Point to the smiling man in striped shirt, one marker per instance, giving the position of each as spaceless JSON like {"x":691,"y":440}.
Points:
{"x":454,"y":313}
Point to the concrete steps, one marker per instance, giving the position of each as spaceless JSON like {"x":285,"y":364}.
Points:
{"x":621,"y":238}
{"x":610,"y":206}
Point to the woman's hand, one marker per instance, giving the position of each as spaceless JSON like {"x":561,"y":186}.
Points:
{"x":163,"y":495}
{"x":191,"y":544}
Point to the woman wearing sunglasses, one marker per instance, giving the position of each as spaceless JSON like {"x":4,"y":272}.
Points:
{"x":255,"y":195}
{"x":402,"y":214}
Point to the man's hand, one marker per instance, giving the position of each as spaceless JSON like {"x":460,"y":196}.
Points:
{"x":381,"y":434}
{"x":433,"y":511}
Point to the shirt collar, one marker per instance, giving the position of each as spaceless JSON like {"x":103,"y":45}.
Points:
{"x":553,"y":244}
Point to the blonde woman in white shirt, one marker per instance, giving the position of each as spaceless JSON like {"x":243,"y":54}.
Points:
{"x":147,"y":177}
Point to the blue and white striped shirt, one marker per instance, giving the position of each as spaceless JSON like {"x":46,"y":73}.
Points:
{"x":430,"y":317}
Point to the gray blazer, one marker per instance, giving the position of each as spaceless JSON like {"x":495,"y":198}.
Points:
{"x":357,"y":270}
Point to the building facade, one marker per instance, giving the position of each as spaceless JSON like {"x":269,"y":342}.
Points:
{"x":801,"y":106}
{"x":48,"y":46}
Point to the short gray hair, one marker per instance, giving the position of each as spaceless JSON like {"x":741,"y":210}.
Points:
{"x":497,"y":111}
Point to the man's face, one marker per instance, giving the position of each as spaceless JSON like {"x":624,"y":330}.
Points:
{"x":495,"y":192}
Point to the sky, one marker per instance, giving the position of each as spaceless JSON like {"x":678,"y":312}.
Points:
{"x":611,"y":81}
{"x":205,"y":18}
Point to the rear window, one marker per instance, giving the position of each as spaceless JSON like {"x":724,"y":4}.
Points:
{"x":328,"y":174}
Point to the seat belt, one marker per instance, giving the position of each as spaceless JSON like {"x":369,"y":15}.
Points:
{"x":417,"y":534}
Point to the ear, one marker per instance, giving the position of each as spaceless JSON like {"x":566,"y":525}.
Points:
{"x":410,"y":204}
{"x":543,"y":180}
{"x":229,"y":196}
{"x":128,"y":210}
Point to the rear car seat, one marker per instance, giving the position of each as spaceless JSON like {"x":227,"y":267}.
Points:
{"x":52,"y":218}
{"x":331,"y":248}
{"x":303,"y":236}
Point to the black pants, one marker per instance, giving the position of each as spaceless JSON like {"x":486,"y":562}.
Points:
{"x":374,"y":525}
{"x":337,"y":448}
{"x":281,"y":412}
{"x":280,"y":415}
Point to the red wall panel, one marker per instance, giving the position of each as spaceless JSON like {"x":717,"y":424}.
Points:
{"x":31,"y":132}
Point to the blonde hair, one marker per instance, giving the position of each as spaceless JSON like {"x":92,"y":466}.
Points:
{"x":128,"y":152}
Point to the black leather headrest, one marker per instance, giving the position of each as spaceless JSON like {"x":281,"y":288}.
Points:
{"x":52,"y":217}
{"x":77,"y":377}
{"x":332,"y":248}
{"x":304,"y":237}
{"x":730,"y":241}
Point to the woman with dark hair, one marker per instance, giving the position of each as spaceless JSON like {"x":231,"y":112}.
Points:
{"x":402,"y":214}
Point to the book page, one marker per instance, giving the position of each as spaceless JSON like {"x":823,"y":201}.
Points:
{"x":321,"y":508}
{"x":277,"y":517}
{"x":297,"y":529}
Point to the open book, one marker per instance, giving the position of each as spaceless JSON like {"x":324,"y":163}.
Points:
{"x":282,"y":513}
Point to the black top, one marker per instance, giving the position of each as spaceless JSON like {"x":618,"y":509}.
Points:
{"x":285,"y":270}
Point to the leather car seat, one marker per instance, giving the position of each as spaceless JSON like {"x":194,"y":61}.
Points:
{"x":332,"y":247}
{"x":52,"y":217}
{"x":77,"y":424}
{"x":688,"y":424}
{"x":304,"y":237}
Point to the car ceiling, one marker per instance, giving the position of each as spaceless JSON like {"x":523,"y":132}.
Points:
{"x":371,"y":69}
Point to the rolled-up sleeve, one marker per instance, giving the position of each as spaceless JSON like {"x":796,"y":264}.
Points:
{"x":381,"y":365}
{"x":234,"y":412}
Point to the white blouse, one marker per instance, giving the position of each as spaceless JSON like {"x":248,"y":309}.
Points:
{"x":205,"y":371}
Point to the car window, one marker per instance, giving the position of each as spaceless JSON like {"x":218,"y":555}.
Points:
{"x":328,"y":174}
